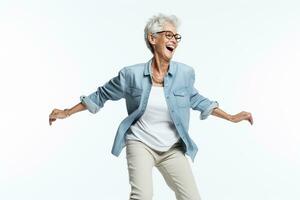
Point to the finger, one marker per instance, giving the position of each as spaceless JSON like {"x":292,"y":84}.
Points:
{"x":251,"y":120}
{"x":51,"y":120}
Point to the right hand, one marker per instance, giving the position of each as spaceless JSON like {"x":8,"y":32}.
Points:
{"x":57,"y":114}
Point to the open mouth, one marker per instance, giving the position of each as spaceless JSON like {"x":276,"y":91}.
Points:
{"x":170,"y":48}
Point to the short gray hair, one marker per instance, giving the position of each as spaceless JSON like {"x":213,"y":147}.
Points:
{"x":156,"y":23}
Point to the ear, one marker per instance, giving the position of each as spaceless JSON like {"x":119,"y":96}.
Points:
{"x":151,"y":38}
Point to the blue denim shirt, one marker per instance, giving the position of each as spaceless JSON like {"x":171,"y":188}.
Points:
{"x":134,"y":84}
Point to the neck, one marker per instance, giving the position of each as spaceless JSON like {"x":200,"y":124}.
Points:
{"x":160,"y":65}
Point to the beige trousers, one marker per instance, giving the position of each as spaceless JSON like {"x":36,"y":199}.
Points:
{"x":173,"y":165}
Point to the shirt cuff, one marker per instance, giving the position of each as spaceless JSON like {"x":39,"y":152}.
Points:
{"x":209,"y":110}
{"x":90,"y":105}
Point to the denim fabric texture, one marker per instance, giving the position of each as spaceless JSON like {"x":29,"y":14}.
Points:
{"x":134,"y":84}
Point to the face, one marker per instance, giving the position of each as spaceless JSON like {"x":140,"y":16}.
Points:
{"x":163,"y":47}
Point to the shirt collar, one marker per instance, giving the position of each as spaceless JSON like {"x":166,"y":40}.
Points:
{"x":147,"y":69}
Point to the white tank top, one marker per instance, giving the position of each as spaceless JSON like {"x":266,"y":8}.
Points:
{"x":155,"y":127}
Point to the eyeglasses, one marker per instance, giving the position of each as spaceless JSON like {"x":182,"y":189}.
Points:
{"x":169,"y":35}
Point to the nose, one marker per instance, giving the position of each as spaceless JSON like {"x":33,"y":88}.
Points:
{"x":173,"y":40}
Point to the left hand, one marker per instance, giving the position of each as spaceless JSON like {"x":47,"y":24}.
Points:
{"x":242,"y":116}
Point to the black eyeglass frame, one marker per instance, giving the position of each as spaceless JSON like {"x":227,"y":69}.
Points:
{"x":176,"y":36}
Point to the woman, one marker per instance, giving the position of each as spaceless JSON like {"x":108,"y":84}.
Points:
{"x":159,"y":95}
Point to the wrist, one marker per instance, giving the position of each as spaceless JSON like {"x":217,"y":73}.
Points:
{"x":230,"y":118}
{"x":67,"y":112}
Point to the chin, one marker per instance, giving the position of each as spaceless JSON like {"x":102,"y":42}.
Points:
{"x":165,"y":55}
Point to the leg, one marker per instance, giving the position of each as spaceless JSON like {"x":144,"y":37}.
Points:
{"x":140,"y":164}
{"x":177,"y":173}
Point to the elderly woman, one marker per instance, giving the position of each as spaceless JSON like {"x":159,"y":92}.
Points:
{"x":159,"y":95}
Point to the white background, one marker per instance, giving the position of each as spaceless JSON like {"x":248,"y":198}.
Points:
{"x":246,"y":55}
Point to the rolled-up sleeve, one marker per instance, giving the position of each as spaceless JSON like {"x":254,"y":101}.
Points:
{"x":112,"y":90}
{"x":201,"y":103}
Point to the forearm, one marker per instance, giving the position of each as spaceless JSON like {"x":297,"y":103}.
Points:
{"x":222,"y":114}
{"x":77,"y":108}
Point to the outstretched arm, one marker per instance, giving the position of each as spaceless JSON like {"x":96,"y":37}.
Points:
{"x":62,"y":114}
{"x":233,"y":118}
{"x":112,"y":90}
